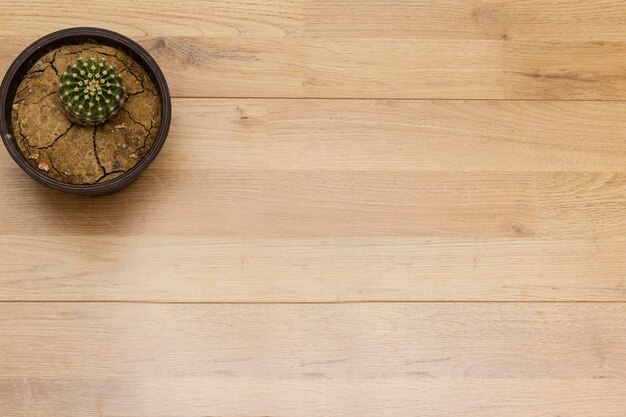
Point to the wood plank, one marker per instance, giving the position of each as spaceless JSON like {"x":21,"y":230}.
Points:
{"x":312,"y":360}
{"x":184,"y":269}
{"x":252,"y":203}
{"x":392,"y":135}
{"x":347,"y":396}
{"x":418,"y":19}
{"x":359,"y":68}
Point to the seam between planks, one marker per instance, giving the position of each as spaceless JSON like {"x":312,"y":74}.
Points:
{"x":316,"y":302}
{"x":392,"y":99}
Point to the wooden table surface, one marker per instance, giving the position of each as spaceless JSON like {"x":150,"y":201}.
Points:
{"x":364,"y":208}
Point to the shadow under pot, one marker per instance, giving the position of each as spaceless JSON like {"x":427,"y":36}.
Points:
{"x":84,"y":110}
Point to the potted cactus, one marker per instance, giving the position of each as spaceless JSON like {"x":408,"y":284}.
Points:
{"x":84,"y":110}
{"x":91,"y":91}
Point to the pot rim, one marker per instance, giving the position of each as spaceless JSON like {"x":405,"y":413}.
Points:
{"x":32,"y":53}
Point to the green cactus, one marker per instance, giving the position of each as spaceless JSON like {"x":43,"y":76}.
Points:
{"x":91,"y":91}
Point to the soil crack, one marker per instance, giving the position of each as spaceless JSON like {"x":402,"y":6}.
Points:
{"x":25,"y":137}
{"x":145,"y":138}
{"x":54,"y":168}
{"x":95,"y":152}
{"x":117,"y":171}
{"x":57,"y":138}
{"x":45,"y":97}
{"x":53,"y":61}
{"x":126,"y":67}
{"x":135,"y":121}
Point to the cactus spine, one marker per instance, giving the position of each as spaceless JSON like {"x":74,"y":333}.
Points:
{"x":91,"y":91}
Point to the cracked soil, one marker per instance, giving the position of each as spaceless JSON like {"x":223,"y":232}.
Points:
{"x":77,"y":154}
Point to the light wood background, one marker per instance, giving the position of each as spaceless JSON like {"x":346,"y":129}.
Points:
{"x":364,"y":208}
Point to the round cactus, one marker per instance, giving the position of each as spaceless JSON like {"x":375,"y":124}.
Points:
{"x":91,"y":91}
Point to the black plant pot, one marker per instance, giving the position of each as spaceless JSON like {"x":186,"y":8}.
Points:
{"x":72,"y":36}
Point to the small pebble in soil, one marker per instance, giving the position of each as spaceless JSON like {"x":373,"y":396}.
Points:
{"x":44,"y":166}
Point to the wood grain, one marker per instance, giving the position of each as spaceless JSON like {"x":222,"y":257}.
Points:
{"x":344,"y":200}
{"x":431,"y":169}
{"x":392,"y":136}
{"x":331,"y":204}
{"x":199,"y":66}
{"x":416,"y":19}
{"x":397,"y":135}
{"x":363,"y":208}
{"x":185,"y":269}
{"x":312,"y":360}
{"x":392,"y":68}
{"x":539,"y":49}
